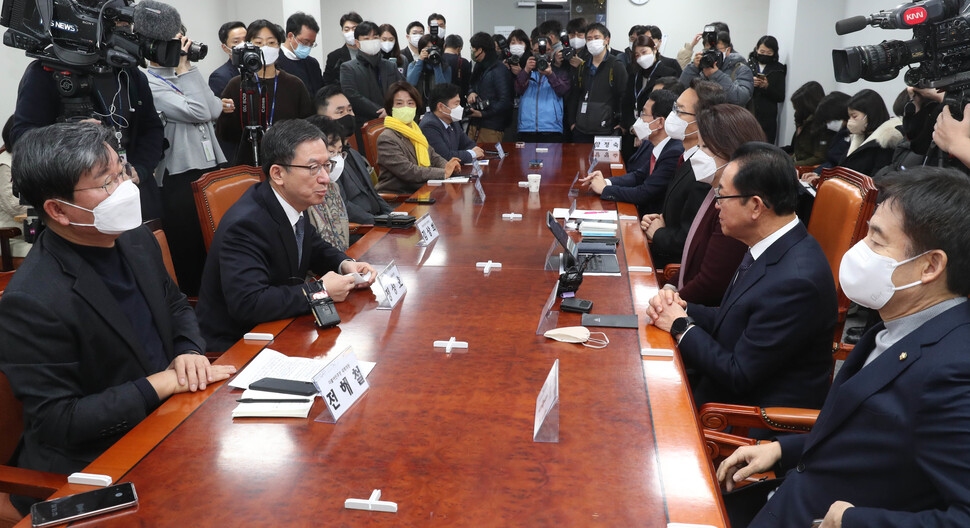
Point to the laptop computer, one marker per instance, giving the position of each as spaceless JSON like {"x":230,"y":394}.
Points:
{"x":597,"y":263}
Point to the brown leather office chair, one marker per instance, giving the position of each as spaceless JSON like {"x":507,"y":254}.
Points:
{"x":371,"y":131}
{"x":843,"y":206}
{"x":13,"y":480}
{"x":215,"y":192}
{"x":6,"y":256}
{"x":156,"y":227}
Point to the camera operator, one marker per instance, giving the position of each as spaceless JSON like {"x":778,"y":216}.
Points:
{"x":721,"y":64}
{"x":490,"y":98}
{"x":520,"y":49}
{"x":953,"y":136}
{"x":429,"y":69}
{"x":122,"y":101}
{"x":596,"y":106}
{"x":230,"y":35}
{"x":686,"y":54}
{"x":461,"y":69}
{"x":276,"y":96}
{"x":365,"y":80}
{"x":541,"y":87}
{"x":187,"y":109}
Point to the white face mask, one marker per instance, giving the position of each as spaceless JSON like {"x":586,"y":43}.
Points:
{"x":596,"y":46}
{"x":857,"y":126}
{"x":577,"y":334}
{"x":704,"y":166}
{"x":646,"y":61}
{"x":834,"y":126}
{"x":642,"y":129}
{"x":866,"y":277}
{"x":270,"y":54}
{"x":119,"y":212}
{"x":677,"y":127}
{"x":517,"y":50}
{"x":349,"y":37}
{"x":338,"y":169}
{"x":456,"y":113}
{"x":370,"y":47}
{"x":577,"y":43}
{"x":387,"y":45}
{"x":441,"y":32}
{"x":414,"y":38}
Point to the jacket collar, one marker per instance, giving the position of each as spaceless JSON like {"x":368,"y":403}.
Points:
{"x":265,"y":197}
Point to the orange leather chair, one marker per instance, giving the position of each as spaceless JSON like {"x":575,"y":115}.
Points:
{"x":6,"y":256}
{"x":843,"y":206}
{"x":215,"y":192}
{"x":371,"y":131}
{"x":156,"y":227}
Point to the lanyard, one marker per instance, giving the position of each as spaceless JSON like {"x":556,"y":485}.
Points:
{"x":272,"y":112}
{"x":636,"y":96}
{"x":166,"y":81}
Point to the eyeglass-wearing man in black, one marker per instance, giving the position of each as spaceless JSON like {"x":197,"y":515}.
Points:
{"x":263,"y":247}
{"x":95,"y":333}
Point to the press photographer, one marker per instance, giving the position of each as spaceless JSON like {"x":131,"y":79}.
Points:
{"x":87,"y":69}
{"x":491,"y":82}
{"x":256,"y":104}
{"x":429,"y":69}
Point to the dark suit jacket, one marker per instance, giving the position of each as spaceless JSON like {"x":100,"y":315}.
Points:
{"x":331,"y":71}
{"x":251,"y":274}
{"x":640,"y":157}
{"x":359,"y":82}
{"x":712,"y":259}
{"x":358,"y":191}
{"x":683,"y":199}
{"x":308,"y":70}
{"x":219,"y":79}
{"x":891,"y":439}
{"x":72,"y":356}
{"x":449,"y":142}
{"x":770,"y":342}
{"x":644,"y":188}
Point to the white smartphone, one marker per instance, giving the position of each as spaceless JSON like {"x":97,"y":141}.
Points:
{"x":83,"y":505}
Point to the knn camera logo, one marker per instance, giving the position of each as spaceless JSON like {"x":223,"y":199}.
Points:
{"x":914,"y":16}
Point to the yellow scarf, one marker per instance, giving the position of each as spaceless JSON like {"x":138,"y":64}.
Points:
{"x":412,"y":132}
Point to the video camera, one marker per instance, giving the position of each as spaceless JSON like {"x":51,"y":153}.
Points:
{"x":436,"y":46}
{"x":940,"y":44}
{"x":711,"y":57}
{"x":542,"y":46}
{"x":567,"y":51}
{"x":92,"y":34}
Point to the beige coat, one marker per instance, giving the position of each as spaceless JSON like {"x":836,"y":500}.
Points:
{"x":400,"y":172}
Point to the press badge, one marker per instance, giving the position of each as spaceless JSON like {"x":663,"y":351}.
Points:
{"x":210,"y":155}
{"x":582,"y":109}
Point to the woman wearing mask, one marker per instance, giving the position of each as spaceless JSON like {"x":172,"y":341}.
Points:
{"x":187,"y":109}
{"x":424,"y":73}
{"x":278,"y":96}
{"x":330,"y":217}
{"x":873,"y":135}
{"x":407,"y":161}
{"x":711,"y":258}
{"x":769,"y":85}
{"x":832,"y":113}
{"x":810,"y":142}
{"x":521,"y":48}
{"x":644,"y":72}
{"x":390,"y":49}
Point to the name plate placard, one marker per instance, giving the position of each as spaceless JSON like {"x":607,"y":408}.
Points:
{"x":427,"y":229}
{"x":607,"y":143}
{"x":341,"y":383}
{"x":389,"y":288}
{"x":546,"y":428}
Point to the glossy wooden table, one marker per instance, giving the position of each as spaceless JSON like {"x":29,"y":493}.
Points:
{"x":447,"y":437}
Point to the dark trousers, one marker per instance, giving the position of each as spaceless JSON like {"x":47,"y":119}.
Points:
{"x":181,"y":221}
{"x":540,"y":137}
{"x":581,"y":137}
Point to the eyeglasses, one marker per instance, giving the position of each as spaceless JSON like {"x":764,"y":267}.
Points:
{"x":342,"y":154}
{"x":112,"y":181}
{"x":718,"y":197}
{"x":303,"y":42}
{"x":315,"y":168}
{"x":680,"y":112}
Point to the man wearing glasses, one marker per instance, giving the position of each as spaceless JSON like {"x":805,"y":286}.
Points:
{"x":770,"y":342}
{"x":94,"y":332}
{"x":263,"y":248}
{"x":301,"y":38}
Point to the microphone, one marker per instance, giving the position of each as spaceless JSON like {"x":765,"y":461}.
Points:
{"x":849,"y":25}
{"x":156,"y":20}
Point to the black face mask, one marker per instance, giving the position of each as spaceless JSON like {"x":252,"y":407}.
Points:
{"x":766,"y":59}
{"x":918,"y":126}
{"x":347,"y":125}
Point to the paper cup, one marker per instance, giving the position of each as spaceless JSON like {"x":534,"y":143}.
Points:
{"x":534,"y":181}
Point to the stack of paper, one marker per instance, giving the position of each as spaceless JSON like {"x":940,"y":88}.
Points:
{"x":588,"y":228}
{"x":609,"y":216}
{"x":273,"y":409}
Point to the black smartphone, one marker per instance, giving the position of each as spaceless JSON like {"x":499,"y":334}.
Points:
{"x":576,"y":305}
{"x":285,"y":386}
{"x":422,"y":201}
{"x":83,"y":505}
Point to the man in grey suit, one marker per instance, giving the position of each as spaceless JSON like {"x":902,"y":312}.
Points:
{"x":365,"y":79}
{"x":94,"y":332}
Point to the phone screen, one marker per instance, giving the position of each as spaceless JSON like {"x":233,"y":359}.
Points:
{"x":83,"y":505}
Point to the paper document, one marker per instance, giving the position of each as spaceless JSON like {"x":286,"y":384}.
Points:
{"x":272,"y":364}
{"x":272,"y":409}
{"x":561,"y":212}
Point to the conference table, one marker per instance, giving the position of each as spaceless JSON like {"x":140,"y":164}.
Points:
{"x":449,"y":436}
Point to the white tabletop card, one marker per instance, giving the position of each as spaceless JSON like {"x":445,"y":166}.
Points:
{"x":389,"y":288}
{"x":548,"y":398}
{"x":427,"y":229}
{"x":607,"y":143}
{"x":501,"y":151}
{"x":341,"y":383}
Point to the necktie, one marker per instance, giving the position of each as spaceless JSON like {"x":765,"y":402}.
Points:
{"x":653,"y":162}
{"x":698,"y":218}
{"x":300,"y":230}
{"x":746,"y":263}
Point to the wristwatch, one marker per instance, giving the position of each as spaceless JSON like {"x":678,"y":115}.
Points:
{"x":680,"y":325}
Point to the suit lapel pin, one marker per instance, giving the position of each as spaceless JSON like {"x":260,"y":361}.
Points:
{"x":903,"y":356}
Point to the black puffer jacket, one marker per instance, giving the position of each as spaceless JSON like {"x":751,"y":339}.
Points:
{"x":493,"y":81}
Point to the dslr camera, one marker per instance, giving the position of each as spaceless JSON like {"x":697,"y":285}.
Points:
{"x":711,"y":57}
{"x":247,"y":58}
{"x":940,"y":46}
{"x":481,"y":104}
{"x":504,"y":53}
{"x":709,"y":36}
{"x":542,"y":63}
{"x":436,"y":46}
{"x":567,"y":51}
